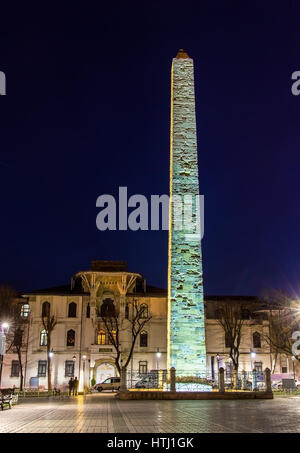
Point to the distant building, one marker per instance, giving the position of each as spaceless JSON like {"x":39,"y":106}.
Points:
{"x":80,"y":333}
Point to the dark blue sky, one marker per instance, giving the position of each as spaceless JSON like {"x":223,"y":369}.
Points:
{"x":87,"y":111}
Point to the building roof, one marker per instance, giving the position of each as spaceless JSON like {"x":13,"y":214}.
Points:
{"x":63,"y":290}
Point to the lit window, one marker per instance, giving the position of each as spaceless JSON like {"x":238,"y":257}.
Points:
{"x":113,"y":334}
{"x":101,"y":337}
{"x":43,"y":338}
{"x":25,"y":310}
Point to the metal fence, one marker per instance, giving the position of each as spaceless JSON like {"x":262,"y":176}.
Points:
{"x":158,"y":380}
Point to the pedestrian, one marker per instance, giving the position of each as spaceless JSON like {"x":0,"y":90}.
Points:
{"x":71,"y":386}
{"x":75,"y":388}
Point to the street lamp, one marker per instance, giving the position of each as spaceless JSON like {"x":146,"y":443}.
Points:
{"x":252,"y":357}
{"x":51,"y":353}
{"x":158,"y":356}
{"x":4,"y":327}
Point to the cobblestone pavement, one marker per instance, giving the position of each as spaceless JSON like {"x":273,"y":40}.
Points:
{"x":104,"y":414}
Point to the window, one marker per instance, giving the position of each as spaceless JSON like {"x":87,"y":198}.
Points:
{"x":107,"y":308}
{"x":25,"y":310}
{"x":43,"y":338}
{"x":114,"y":335}
{"x":144,"y":339}
{"x":45,"y":309}
{"x":144,"y":311}
{"x":42,"y":368}
{"x":284,"y":369}
{"x":143,"y":366}
{"x":219,"y":313}
{"x":256,"y":340}
{"x":258,"y":366}
{"x":88,"y":311}
{"x":69,"y":368}
{"x":71,"y":338}
{"x":227,"y":340}
{"x":72,"y":310}
{"x":101,"y":337}
{"x":15,"y":368}
{"x":127,"y":311}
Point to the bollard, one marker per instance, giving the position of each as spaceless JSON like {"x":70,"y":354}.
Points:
{"x":221,"y":380}
{"x":268,"y":384}
{"x":173,"y":379}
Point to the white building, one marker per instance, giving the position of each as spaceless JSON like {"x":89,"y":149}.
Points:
{"x":80,"y":343}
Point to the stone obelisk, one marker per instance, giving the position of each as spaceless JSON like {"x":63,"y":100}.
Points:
{"x":186,"y":328}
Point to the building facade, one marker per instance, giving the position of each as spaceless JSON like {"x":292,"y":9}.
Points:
{"x":80,"y":344}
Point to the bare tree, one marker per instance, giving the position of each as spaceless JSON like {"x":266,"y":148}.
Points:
{"x":114,"y":325}
{"x":11,"y":312}
{"x":49,"y":323}
{"x":232,"y":316}
{"x":282,"y":323}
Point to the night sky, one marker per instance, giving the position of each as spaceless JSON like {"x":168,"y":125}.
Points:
{"x":88,"y":110}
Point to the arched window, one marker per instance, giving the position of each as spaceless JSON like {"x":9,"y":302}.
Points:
{"x":144,"y":311}
{"x":101,"y":337}
{"x":256,"y":340}
{"x":107,"y":308}
{"x":143,"y":339}
{"x":127,"y":311}
{"x":72,"y":310}
{"x":45,"y":309}
{"x":88,"y":311}
{"x":43,"y":338}
{"x":114,"y":335}
{"x":71,"y":337}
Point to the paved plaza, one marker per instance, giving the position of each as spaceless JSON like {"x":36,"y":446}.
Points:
{"x":103,"y":413}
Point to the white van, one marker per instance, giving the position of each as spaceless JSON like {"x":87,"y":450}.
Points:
{"x":112,"y":383}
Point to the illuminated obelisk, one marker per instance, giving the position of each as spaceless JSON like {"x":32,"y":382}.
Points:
{"x":186,"y":329}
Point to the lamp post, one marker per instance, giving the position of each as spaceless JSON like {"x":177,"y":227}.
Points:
{"x":4,"y":327}
{"x":74,"y":361}
{"x":83,"y":360}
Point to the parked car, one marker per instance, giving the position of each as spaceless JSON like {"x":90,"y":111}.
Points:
{"x":278,"y":385}
{"x":112,"y":383}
